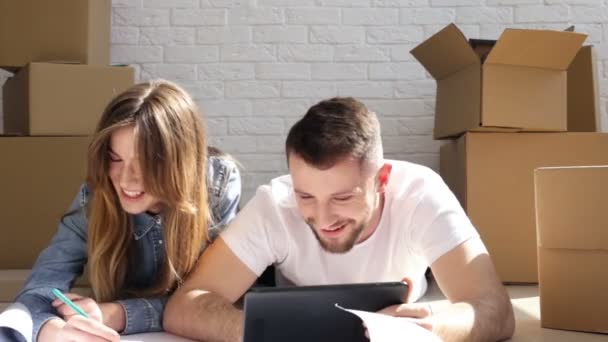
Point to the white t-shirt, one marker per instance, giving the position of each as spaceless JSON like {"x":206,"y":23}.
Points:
{"x":421,"y":221}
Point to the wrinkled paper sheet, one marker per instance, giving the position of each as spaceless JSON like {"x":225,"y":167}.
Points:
{"x":384,"y":328}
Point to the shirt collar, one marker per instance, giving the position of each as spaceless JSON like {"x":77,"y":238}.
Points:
{"x":142,"y":223}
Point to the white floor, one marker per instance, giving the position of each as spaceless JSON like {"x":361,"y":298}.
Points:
{"x":527,"y":314}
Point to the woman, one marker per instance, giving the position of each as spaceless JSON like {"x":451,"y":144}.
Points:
{"x":153,"y":200}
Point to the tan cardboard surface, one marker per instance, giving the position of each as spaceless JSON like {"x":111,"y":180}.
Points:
{"x":61,"y":99}
{"x":67,"y":30}
{"x":571,"y":221}
{"x":39,"y":178}
{"x":499,"y":187}
{"x":512,"y":97}
{"x":583,"y":96}
{"x":536,"y":48}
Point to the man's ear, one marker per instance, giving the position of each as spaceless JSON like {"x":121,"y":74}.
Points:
{"x":384,"y":174}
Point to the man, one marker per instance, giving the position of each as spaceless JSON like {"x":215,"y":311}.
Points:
{"x":345,"y":215}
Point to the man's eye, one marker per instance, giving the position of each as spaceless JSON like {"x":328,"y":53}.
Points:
{"x":305,"y":196}
{"x":343,"y":198}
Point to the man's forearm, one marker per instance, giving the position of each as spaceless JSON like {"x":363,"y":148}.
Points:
{"x":204,"y":316}
{"x":485,"y":320}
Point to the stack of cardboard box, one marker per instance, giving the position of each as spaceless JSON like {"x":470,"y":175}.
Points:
{"x":572,"y":223}
{"x":59,"y":52}
{"x":505,"y":108}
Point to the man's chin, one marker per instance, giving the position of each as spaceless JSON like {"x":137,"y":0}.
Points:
{"x":336,"y":248}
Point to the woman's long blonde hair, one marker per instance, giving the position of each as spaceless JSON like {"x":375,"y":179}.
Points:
{"x":172,"y":151}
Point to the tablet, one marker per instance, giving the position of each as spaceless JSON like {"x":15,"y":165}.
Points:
{"x":308,"y":313}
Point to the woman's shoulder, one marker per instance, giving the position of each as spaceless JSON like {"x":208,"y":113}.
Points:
{"x":82,"y":196}
{"x":219,"y":164}
{"x":221,"y":169}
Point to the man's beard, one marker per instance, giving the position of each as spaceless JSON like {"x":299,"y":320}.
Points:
{"x":340,"y":247}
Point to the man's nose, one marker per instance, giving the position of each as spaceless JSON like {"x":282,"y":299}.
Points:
{"x":324,"y":217}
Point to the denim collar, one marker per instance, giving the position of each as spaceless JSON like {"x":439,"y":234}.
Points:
{"x":142,"y":223}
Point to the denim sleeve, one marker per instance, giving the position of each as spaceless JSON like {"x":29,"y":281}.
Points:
{"x":57,"y":266}
{"x":226,"y":204}
{"x":143,"y":314}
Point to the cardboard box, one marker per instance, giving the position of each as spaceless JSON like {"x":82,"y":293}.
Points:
{"x":521,"y":86}
{"x":12,"y":281}
{"x":39,"y":178}
{"x":75,"y":31}
{"x":61,"y":99}
{"x":492,"y":176}
{"x":572,"y":223}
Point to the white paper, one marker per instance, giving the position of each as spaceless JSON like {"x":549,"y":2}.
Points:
{"x":385,"y":328}
{"x":16,"y":323}
{"x":153,"y":337}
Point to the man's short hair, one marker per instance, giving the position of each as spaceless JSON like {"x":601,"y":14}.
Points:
{"x":335,"y":129}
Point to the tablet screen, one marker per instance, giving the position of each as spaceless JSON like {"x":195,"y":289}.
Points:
{"x":308,"y":313}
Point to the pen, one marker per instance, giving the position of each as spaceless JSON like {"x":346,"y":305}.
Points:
{"x":69,"y":303}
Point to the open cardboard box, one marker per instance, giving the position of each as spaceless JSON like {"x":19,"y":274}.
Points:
{"x":520,"y":86}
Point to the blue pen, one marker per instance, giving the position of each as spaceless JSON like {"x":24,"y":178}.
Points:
{"x":69,"y":303}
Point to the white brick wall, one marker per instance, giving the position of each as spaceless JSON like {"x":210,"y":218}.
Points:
{"x":255,"y":66}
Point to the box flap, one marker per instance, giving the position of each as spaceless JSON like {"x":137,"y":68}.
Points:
{"x":482,"y":47}
{"x":571,"y":207}
{"x":457,"y":106}
{"x":16,"y":92}
{"x":583,"y":96}
{"x":536,"y":48}
{"x":446,"y":52}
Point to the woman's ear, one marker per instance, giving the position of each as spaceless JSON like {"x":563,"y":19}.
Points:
{"x":384,"y":175}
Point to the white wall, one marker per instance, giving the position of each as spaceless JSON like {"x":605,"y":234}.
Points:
{"x":257,"y":65}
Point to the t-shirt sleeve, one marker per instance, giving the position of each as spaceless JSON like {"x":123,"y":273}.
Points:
{"x":439,"y":224}
{"x":257,"y":235}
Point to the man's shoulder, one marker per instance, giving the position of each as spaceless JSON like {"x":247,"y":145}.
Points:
{"x":405,"y":174}
{"x":278,"y":192}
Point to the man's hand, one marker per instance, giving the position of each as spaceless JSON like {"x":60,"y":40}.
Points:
{"x":419,"y":313}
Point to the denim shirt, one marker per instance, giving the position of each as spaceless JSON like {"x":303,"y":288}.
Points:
{"x":63,"y":260}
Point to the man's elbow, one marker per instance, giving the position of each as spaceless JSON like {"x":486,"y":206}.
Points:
{"x":173,"y":316}
{"x":507,"y":318}
{"x":508,"y":328}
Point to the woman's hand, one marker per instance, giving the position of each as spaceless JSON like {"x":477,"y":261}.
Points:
{"x":110,"y":314}
{"x":87,"y":304}
{"x":77,"y":329}
{"x":81,"y":329}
